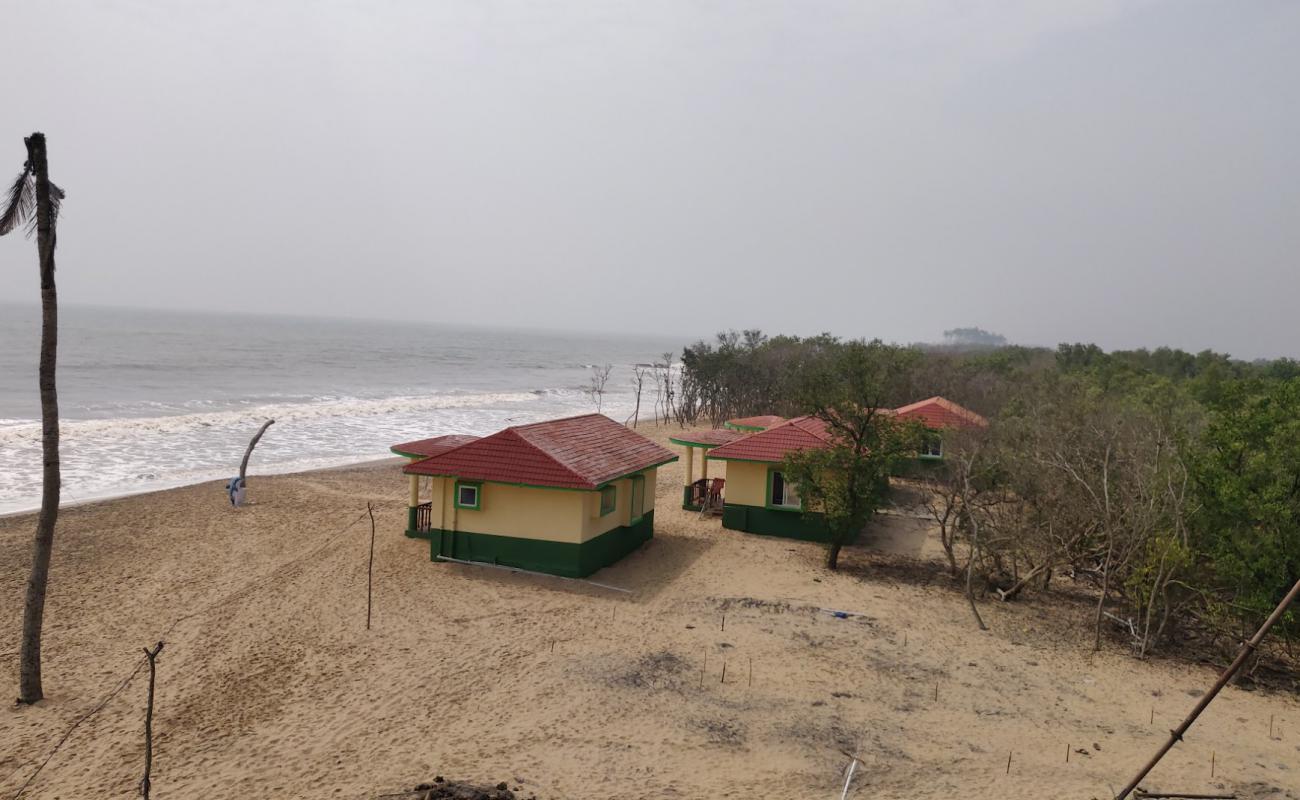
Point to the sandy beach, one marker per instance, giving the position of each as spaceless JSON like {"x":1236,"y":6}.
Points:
{"x":270,"y":686}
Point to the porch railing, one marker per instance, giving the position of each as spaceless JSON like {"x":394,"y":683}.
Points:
{"x":423,"y":514}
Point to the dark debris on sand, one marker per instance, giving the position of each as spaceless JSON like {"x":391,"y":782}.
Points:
{"x":443,"y":789}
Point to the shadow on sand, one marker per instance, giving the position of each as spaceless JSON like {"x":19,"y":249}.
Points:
{"x":645,"y":572}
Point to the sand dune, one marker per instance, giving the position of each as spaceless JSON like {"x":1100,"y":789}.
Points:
{"x":270,"y":686}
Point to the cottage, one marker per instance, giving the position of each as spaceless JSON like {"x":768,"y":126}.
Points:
{"x":758,"y":498}
{"x":566,"y":496}
{"x":938,"y":415}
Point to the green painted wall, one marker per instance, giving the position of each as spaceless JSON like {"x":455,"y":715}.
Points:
{"x":788,"y":524}
{"x":568,"y":559}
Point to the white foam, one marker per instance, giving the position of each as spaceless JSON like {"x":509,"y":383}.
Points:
{"x":104,"y":457}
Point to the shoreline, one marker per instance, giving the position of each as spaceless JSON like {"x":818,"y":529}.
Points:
{"x":81,"y":502}
{"x":649,"y":421}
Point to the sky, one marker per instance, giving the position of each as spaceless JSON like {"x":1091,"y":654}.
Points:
{"x":1125,"y":173}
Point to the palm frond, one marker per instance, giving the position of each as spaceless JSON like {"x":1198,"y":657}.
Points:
{"x":20,"y":202}
{"x":56,"y":198}
{"x":56,"y":195}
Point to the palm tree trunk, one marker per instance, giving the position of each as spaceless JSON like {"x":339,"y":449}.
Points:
{"x":29,"y":680}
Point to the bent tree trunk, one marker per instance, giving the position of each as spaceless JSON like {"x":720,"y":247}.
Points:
{"x":243,"y":465}
{"x":29,"y":678}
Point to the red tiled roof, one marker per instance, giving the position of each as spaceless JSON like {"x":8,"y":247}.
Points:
{"x":573,"y":453}
{"x":937,"y":413}
{"x":771,"y":445}
{"x":432,"y":447}
{"x":763,"y":421}
{"x":708,"y":438}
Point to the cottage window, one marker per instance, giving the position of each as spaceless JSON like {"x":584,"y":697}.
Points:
{"x":638,"y":498}
{"x":932,"y":447}
{"x":468,"y":495}
{"x":608,"y":500}
{"x":783,"y":493}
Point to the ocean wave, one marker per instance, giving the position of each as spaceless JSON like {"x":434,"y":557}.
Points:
{"x":103,"y":457}
{"x":281,"y":412}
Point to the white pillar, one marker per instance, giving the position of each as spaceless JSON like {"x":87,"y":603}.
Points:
{"x":690,"y":470}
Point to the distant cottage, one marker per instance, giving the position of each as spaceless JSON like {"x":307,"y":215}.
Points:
{"x":759,"y":499}
{"x":566,"y":496}
{"x":939,"y":415}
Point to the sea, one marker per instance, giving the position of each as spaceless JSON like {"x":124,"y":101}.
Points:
{"x":157,"y":399}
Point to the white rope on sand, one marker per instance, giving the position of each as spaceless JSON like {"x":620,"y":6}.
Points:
{"x":853,"y":765}
{"x":531,"y":572}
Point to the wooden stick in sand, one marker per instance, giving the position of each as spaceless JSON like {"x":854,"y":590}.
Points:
{"x":152,"y":655}
{"x":370,"y":569}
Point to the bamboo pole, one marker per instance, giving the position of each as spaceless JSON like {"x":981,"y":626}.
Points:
{"x":1247,"y":649}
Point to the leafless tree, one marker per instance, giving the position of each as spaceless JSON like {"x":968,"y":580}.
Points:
{"x":666,"y":406}
{"x":599,"y":378}
{"x":639,"y":374}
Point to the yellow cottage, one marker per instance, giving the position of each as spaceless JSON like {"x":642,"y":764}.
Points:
{"x":758,"y":497}
{"x":566,"y":496}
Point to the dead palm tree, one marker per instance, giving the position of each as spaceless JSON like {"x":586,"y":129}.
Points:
{"x":34,"y":200}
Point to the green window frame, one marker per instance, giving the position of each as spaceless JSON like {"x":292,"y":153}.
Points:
{"x":637,"y":511}
{"x":478,"y":495}
{"x":784,"y":495}
{"x":608,"y":499}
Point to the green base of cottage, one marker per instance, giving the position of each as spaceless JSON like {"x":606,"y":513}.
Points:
{"x":555,"y":558}
{"x":769,"y":522}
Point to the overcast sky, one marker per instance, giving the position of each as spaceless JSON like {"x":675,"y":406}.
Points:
{"x":1120,"y":172}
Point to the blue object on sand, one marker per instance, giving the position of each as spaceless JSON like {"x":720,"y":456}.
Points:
{"x":232,"y":486}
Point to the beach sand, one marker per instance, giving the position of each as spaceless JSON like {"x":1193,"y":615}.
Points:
{"x":270,"y":686}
